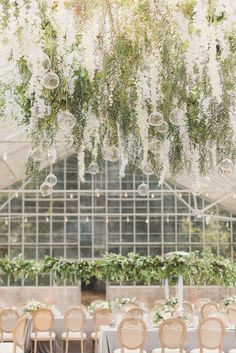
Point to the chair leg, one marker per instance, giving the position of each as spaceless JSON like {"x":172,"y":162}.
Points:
{"x":62,"y":346}
{"x":31,"y":346}
{"x":35,"y":345}
{"x":82,"y":345}
{"x":50,"y":343}
{"x":67,"y":345}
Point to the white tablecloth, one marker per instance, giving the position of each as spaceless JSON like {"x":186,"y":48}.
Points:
{"x":109,"y":340}
{"x":58,"y":328}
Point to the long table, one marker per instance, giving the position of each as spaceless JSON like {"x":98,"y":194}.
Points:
{"x":109,"y":341}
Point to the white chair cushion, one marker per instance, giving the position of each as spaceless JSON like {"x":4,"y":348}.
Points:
{"x":197,"y":350}
{"x":167,"y":350}
{"x":93,"y":335}
{"x":232,"y":350}
{"x":73,"y":335}
{"x":7,"y":347}
{"x":43,"y":336}
{"x":7,"y":336}
{"x":118,"y":350}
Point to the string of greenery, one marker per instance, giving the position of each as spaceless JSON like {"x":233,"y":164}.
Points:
{"x":199,"y":268}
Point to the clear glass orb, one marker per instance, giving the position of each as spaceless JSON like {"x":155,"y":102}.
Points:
{"x":50,"y":80}
{"x":154,"y":145}
{"x":51,"y":179}
{"x":111,"y":153}
{"x":177,"y":117}
{"x":93,"y":168}
{"x":143,"y":189}
{"x":147,"y":168}
{"x":156,"y":119}
{"x":69,"y":141}
{"x":46,"y":189}
{"x":196,"y":188}
{"x":226,"y":165}
{"x":66,"y":120}
{"x":37,"y":154}
{"x":39,"y":63}
{"x":163,"y":127}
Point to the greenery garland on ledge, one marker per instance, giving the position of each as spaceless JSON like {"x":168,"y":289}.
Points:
{"x":201,"y":269}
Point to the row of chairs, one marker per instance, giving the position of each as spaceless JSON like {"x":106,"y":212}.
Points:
{"x":132,"y":334}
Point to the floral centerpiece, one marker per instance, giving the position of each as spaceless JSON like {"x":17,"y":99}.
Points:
{"x":125,"y":300}
{"x":34,"y":305}
{"x":104,"y":305}
{"x":229,"y":300}
{"x":170,"y":310}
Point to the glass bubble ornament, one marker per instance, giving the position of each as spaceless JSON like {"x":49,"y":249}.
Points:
{"x":93,"y":168}
{"x":226,"y":165}
{"x":163,"y":127}
{"x":111,"y":153}
{"x":51,"y":179}
{"x":196,"y":188}
{"x":155,"y":119}
{"x":46,"y":189}
{"x":154,"y":146}
{"x":147,"y":168}
{"x":39,"y":63}
{"x":143,"y":189}
{"x":177,"y":117}
{"x":36,"y":154}
{"x":50,"y":80}
{"x":66,"y":120}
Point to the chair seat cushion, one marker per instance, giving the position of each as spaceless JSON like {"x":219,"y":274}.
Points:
{"x":118,"y":350}
{"x":7,"y":336}
{"x":197,"y":350}
{"x":167,"y":350}
{"x":7,"y":347}
{"x":232,"y":350}
{"x":93,"y":336}
{"x":43,"y":336}
{"x":73,"y":335}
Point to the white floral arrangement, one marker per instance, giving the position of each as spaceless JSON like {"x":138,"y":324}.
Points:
{"x":104,"y":305}
{"x":229,"y":300}
{"x":169,"y":311}
{"x":125,"y":300}
{"x":34,"y":305}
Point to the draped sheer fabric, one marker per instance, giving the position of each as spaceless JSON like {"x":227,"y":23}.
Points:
{"x":132,"y":333}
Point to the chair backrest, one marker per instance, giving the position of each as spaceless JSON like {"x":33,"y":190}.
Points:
{"x":74,"y":319}
{"x":136,"y":312}
{"x":42,"y":320}
{"x":102,"y":317}
{"x":187,"y":306}
{"x":19,"y":332}
{"x":211,"y":333}
{"x":172,"y":334}
{"x":80,"y":306}
{"x":208,"y":309}
{"x":202,"y":301}
{"x":120,"y":315}
{"x":231,"y":313}
{"x":132,"y":334}
{"x":223,"y":316}
{"x":8,"y":319}
{"x":128,"y":306}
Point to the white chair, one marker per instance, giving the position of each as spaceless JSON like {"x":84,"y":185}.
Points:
{"x":208,"y":309}
{"x":132,"y":334}
{"x":8,"y":319}
{"x":74,"y":322}
{"x":172,"y":334}
{"x":100,"y":317}
{"x":42,"y":329}
{"x":211,"y":333}
{"x":17,"y":346}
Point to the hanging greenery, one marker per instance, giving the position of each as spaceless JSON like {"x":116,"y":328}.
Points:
{"x":201,"y":269}
{"x":146,"y":82}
